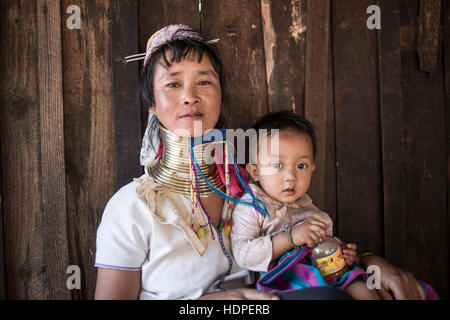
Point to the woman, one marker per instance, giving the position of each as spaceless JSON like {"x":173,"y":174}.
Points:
{"x":164,"y":235}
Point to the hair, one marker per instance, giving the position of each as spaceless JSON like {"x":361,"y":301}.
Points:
{"x":287,"y":120}
{"x":180,"y":49}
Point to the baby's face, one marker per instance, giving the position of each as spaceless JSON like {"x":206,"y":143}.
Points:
{"x":285,"y":175}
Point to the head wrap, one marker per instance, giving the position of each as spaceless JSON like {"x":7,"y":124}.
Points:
{"x":168,"y":34}
{"x":157,"y":40}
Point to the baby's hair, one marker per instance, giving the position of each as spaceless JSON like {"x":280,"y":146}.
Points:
{"x":287,"y":120}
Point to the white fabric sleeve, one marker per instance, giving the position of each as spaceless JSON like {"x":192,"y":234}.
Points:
{"x":251,"y":248}
{"x":124,"y":232}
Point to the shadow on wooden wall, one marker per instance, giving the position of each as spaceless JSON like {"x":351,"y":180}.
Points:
{"x":71,"y":130}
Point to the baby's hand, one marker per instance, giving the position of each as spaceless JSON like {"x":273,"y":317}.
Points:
{"x":348,"y":251}
{"x":309,"y":233}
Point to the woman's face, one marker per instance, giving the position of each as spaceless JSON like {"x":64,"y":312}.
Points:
{"x":185,"y":93}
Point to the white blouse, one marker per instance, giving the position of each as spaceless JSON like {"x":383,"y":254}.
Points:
{"x":147,"y":227}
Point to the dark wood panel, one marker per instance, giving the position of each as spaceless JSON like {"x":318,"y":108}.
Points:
{"x":330,"y":188}
{"x":284,"y":26}
{"x":238,"y":25}
{"x":392,"y":139}
{"x":358,"y":154}
{"x":127,"y":113}
{"x":89,"y":133}
{"x":2,"y":250}
{"x":446,"y":36}
{"x":25,"y":264}
{"x":319,"y":108}
{"x":426,"y":199}
{"x":428,"y":34}
{"x":156,"y":14}
{"x":52,"y":184}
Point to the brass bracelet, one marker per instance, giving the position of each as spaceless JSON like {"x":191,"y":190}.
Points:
{"x":289,"y":232}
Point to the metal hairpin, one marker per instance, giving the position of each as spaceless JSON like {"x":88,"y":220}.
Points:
{"x":141,"y":56}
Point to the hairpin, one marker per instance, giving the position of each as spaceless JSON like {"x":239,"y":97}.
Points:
{"x":141,"y":56}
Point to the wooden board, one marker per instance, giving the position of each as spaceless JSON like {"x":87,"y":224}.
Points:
{"x":89,"y":132}
{"x":2,"y":250}
{"x":19,"y":136}
{"x":52,"y":168}
{"x":330,"y":185}
{"x":238,"y":25}
{"x":446,"y":42}
{"x":127,"y":113}
{"x":156,"y":14}
{"x":35,"y":241}
{"x":428,"y":34}
{"x":284,"y":30}
{"x":318,"y":107}
{"x":392,"y":138}
{"x":426,"y":254}
{"x":358,"y":154}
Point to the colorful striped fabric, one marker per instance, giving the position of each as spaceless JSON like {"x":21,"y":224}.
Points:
{"x":294,"y":271}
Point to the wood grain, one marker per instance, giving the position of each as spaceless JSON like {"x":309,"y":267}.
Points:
{"x":446,"y":32}
{"x":426,"y":254}
{"x":358,"y":154}
{"x":241,"y":48}
{"x":2,"y":249}
{"x":317,"y":100}
{"x":20,"y":152}
{"x":127,"y":113}
{"x":89,"y":133}
{"x":428,"y":34}
{"x":285,"y":29}
{"x":33,"y":207}
{"x":392,"y":138}
{"x":52,"y":168}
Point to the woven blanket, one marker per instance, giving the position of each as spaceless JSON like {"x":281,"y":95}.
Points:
{"x":295,"y":270}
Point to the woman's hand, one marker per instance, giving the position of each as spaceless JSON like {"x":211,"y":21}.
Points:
{"x":348,"y":251}
{"x":240,"y":294}
{"x":308,"y":232}
{"x":403,"y":285}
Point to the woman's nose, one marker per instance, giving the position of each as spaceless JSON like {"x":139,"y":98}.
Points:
{"x":190,"y":95}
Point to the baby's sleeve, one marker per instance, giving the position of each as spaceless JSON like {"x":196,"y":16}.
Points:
{"x":124,"y":232}
{"x":251,"y":248}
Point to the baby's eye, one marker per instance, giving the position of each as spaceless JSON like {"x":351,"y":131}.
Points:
{"x":276,"y":165}
{"x":173,"y":85}
{"x":302,"y":166}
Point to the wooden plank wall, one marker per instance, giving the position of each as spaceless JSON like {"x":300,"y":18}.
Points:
{"x":70,"y":127}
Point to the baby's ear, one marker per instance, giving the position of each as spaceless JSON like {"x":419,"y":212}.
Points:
{"x":252,"y":169}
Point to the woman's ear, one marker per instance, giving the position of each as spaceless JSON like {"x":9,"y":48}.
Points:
{"x":151,"y":110}
{"x":252,"y":169}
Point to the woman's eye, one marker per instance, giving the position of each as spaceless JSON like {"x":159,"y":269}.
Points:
{"x":173,"y":85}
{"x":302,"y":166}
{"x":276,"y":165}
{"x":204,"y":83}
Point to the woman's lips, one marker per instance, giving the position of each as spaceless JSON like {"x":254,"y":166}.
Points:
{"x":192,"y":116}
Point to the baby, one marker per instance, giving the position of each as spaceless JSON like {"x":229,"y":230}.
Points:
{"x":281,"y":181}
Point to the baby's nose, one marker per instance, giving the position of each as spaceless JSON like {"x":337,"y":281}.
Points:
{"x":289,"y":174}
